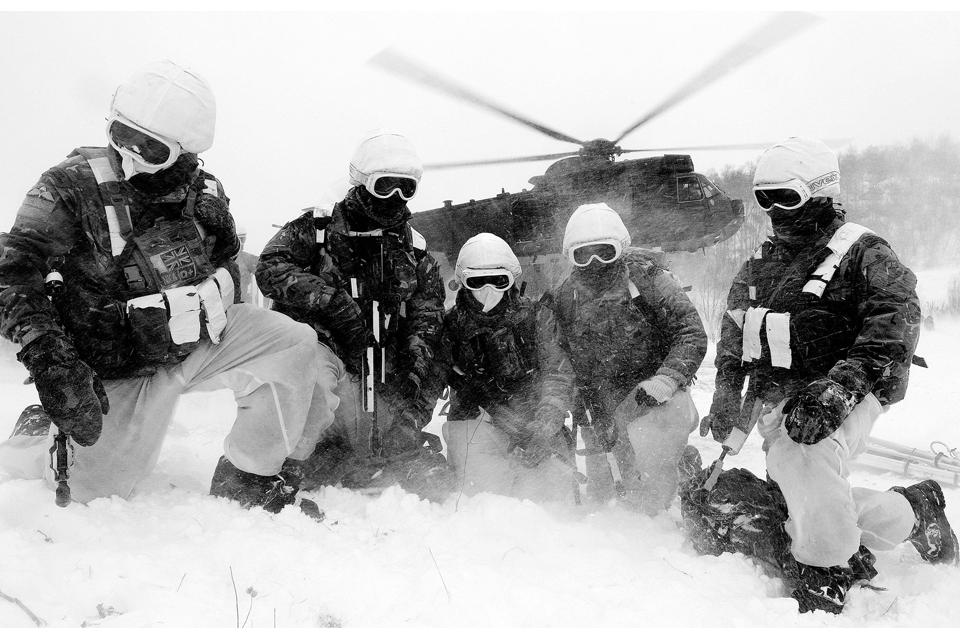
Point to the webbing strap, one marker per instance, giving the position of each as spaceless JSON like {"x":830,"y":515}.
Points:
{"x":118,"y":212}
{"x":839,"y":244}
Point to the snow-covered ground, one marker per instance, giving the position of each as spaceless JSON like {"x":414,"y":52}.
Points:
{"x":172,"y":556}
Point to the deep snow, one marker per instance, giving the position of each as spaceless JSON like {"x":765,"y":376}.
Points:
{"x":172,"y":556}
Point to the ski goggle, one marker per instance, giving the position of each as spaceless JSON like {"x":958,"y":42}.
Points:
{"x":150,"y":149}
{"x":498,"y":279}
{"x":384,"y":185}
{"x":786,"y":195}
{"x":583,"y":254}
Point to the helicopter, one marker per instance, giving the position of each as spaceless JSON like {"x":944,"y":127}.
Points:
{"x":665,"y":204}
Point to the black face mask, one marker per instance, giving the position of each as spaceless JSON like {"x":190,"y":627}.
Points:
{"x":369,"y":212}
{"x":597,"y":273}
{"x":798,"y":226}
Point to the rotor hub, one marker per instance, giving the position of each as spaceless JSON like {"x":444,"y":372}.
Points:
{"x":600,"y":148}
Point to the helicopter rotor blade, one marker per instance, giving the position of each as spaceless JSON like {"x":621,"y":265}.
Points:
{"x":390,"y":60}
{"x":768,"y":35}
{"x":477,"y":163}
{"x":833,"y":144}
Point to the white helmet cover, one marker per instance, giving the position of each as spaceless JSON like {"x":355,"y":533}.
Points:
{"x":171,"y":101}
{"x":487,"y":251}
{"x":383,"y":151}
{"x":804,"y":159}
{"x":594,"y":223}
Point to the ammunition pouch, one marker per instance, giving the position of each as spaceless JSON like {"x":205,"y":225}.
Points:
{"x":179,"y":318}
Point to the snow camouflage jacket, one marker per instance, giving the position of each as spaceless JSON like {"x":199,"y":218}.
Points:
{"x":616,"y":342}
{"x":62,"y":226}
{"x":867,"y":320}
{"x":307,"y":268}
{"x":507,"y":361}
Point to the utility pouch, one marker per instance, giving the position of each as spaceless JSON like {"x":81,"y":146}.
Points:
{"x":149,"y":326}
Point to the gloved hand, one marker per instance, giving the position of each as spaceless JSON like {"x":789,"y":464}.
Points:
{"x":402,"y":436}
{"x":354,"y":350}
{"x":70,"y":392}
{"x":543,"y":436}
{"x":724,"y":413}
{"x":818,"y":411}
{"x":656,"y":390}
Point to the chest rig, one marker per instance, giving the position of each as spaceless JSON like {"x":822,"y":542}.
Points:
{"x":499,"y":352}
{"x":182,"y":297}
{"x":377,"y":266}
{"x":788,"y":325}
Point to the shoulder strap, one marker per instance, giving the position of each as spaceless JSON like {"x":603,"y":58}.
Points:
{"x":843,"y":238}
{"x":116,"y":208}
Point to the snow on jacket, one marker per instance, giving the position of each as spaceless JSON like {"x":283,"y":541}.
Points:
{"x":868,"y":316}
{"x":307,"y":270}
{"x":507,"y":361}
{"x":615,"y":342}
{"x":62,"y":226}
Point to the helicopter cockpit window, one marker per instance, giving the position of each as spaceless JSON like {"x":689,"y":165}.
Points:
{"x":709,"y":189}
{"x":688,"y":189}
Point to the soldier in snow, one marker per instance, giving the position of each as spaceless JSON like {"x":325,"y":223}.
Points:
{"x":511,"y":383}
{"x":360,"y":275}
{"x":635,"y":340}
{"x":136,"y":244}
{"x":824,"y":320}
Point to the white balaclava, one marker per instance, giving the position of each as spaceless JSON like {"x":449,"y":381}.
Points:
{"x":170,"y":101}
{"x":486,"y":251}
{"x":806,"y":159}
{"x":594,"y":223}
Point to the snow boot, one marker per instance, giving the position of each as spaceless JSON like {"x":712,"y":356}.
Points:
{"x":826,"y":588}
{"x":932,"y":535}
{"x":33,"y":421}
{"x":272,"y":493}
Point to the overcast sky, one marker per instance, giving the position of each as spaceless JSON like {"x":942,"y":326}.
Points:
{"x":295,"y":93}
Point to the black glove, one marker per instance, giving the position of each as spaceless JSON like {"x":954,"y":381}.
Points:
{"x":403,"y":435}
{"x":70,"y":392}
{"x":818,"y":411}
{"x":354,"y":350}
{"x":724,"y":413}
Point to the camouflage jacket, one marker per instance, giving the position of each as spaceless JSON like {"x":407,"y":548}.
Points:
{"x":616,"y":341}
{"x":868,"y":316}
{"x":62,"y":226}
{"x":507,"y":361}
{"x":314,"y":265}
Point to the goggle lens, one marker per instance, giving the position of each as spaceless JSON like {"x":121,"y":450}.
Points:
{"x":783,"y":198}
{"x":385,"y":186}
{"x":605,"y":253}
{"x":152,"y":150}
{"x":500,"y":282}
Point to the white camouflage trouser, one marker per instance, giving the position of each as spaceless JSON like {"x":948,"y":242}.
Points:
{"x":647,"y":459}
{"x":829,"y":520}
{"x":283,"y":381}
{"x":480,"y":455}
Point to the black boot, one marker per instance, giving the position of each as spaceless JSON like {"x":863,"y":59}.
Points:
{"x":826,"y":588}
{"x":272,"y":493}
{"x":932,"y":535}
{"x":34,"y":421}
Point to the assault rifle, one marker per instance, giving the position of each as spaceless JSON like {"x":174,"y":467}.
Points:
{"x":605,"y":431}
{"x":379,"y":301}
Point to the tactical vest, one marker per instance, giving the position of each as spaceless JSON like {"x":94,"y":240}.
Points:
{"x":171,"y":296}
{"x":614,"y":337}
{"x":499,"y":352}
{"x":805,"y":333}
{"x":372,"y":265}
